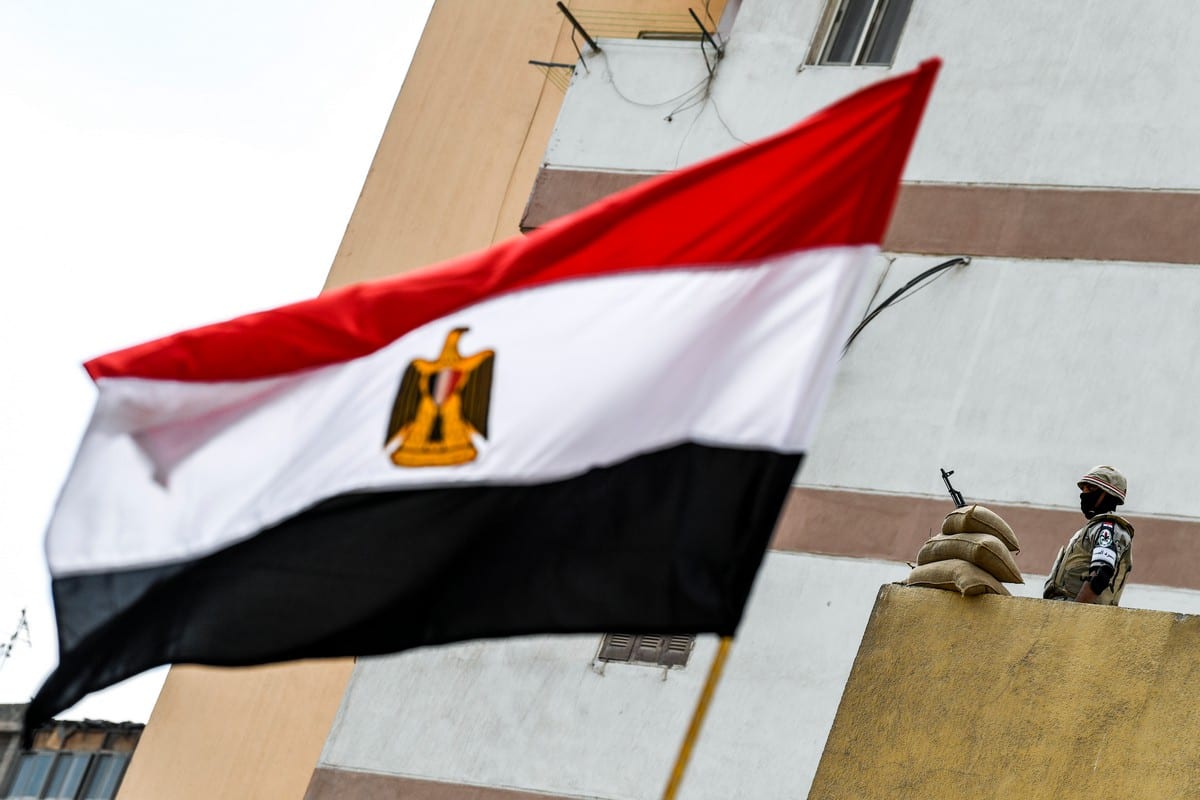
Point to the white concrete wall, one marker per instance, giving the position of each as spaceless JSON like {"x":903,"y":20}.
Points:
{"x":1020,"y":375}
{"x":1075,"y":94}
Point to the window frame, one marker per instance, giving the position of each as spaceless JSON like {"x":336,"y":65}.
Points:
{"x":63,"y":758}
{"x":100,"y":769}
{"x":830,"y":26}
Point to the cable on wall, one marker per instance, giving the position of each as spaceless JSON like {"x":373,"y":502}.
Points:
{"x":898,"y":295}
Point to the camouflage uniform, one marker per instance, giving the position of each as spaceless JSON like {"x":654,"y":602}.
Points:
{"x":1106,"y":539}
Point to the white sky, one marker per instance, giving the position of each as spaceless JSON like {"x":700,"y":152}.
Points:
{"x":162,"y":165}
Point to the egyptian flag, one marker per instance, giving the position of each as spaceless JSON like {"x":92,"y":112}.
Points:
{"x":587,"y":429}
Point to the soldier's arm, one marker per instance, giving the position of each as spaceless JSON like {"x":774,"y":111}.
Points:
{"x":1105,"y":556}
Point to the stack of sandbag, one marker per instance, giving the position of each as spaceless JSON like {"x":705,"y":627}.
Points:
{"x":972,"y":555}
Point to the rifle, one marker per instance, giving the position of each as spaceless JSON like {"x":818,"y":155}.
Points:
{"x":955,"y":494}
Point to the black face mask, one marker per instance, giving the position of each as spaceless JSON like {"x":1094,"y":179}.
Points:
{"x":1091,"y":503}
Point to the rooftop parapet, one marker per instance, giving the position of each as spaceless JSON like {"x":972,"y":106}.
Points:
{"x":994,"y":696}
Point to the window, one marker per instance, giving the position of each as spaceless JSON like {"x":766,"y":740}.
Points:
{"x":655,"y":650}
{"x":67,"y":775}
{"x":857,"y":32}
{"x":106,"y":776}
{"x":30,"y":775}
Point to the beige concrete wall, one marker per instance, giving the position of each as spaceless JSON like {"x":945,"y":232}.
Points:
{"x":254,"y":732}
{"x":1004,"y":697}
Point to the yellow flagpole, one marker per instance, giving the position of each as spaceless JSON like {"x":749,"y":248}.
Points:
{"x":693,"y":731}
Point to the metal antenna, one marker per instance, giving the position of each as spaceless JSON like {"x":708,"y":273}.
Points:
{"x":21,"y":634}
{"x":575,"y":24}
{"x":707,"y":36}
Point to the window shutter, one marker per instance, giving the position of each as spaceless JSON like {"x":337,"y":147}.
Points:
{"x":616,"y":647}
{"x":648,"y":649}
{"x":652,"y":649}
{"x":678,"y":648}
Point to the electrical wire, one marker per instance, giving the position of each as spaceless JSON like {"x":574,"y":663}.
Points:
{"x":897,"y":295}
{"x":686,"y":135}
{"x":612,"y":79}
{"x":712,"y":69}
{"x":698,"y":98}
{"x":921,"y":288}
{"x":724,"y":124}
{"x":699,"y":94}
{"x":579,"y":52}
{"x":713,"y":22}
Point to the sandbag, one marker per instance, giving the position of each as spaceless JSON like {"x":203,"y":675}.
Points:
{"x":981,"y":549}
{"x":977,"y":519}
{"x":955,"y":575}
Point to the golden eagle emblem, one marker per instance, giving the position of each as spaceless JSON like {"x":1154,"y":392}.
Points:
{"x":440,"y":405}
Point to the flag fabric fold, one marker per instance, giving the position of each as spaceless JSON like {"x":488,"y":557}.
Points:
{"x":587,"y":429}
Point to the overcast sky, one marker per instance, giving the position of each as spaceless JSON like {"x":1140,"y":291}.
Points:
{"x":162,"y":165}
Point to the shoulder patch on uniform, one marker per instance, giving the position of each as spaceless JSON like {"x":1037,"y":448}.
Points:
{"x":1104,"y":537}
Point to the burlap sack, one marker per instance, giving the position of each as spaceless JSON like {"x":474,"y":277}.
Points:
{"x":955,"y":575}
{"x":981,"y":549}
{"x":977,"y":519}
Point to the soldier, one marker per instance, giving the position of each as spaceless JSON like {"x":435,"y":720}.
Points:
{"x":1093,"y":565}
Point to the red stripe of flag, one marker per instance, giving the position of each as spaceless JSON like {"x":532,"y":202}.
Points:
{"x":842,"y":169}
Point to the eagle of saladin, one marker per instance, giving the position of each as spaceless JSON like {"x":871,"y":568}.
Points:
{"x":440,"y":405}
